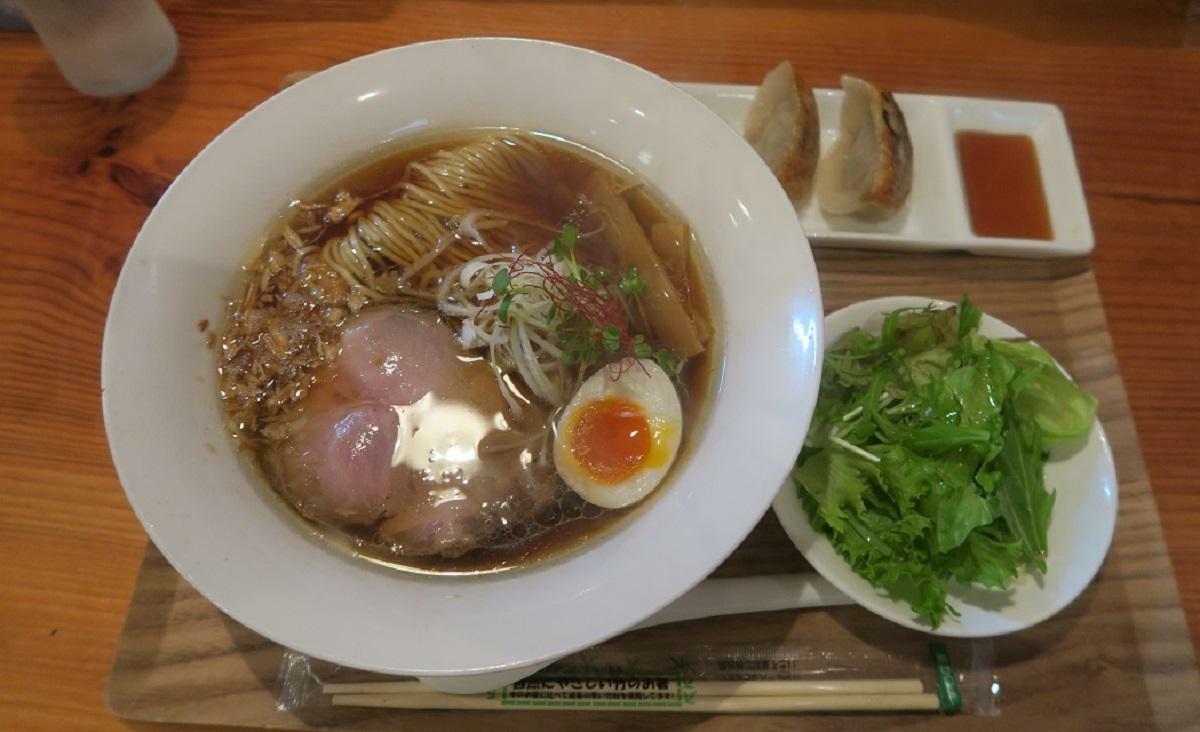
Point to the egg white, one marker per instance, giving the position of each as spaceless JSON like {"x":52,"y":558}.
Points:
{"x":641,"y":382}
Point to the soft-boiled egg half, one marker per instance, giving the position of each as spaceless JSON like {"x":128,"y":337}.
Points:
{"x":619,"y":434}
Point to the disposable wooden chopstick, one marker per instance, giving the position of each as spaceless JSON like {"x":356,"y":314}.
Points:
{"x":727,"y":697}
{"x":705,"y":704}
{"x":701,"y":688}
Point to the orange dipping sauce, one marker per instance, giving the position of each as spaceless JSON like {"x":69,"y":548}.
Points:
{"x":1003,"y":186}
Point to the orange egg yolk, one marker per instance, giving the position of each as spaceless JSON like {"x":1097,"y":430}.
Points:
{"x":610,"y":438}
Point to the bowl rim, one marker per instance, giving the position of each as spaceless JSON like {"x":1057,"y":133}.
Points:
{"x":122,"y":457}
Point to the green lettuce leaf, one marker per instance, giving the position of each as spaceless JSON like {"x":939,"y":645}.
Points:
{"x":985,"y":560}
{"x":1021,"y":496}
{"x":959,"y":512}
{"x":836,"y":481}
{"x":1064,"y":411}
{"x":924,"y":463}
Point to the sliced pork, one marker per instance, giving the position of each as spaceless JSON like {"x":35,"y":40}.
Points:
{"x":406,"y":432}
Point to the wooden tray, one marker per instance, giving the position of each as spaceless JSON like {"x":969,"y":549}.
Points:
{"x":1118,"y":657}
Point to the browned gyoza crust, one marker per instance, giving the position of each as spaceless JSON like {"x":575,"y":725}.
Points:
{"x":796,"y":175}
{"x":893,"y":178}
{"x":800,"y":154}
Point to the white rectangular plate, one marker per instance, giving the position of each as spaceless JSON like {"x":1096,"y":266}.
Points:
{"x":936,"y":216}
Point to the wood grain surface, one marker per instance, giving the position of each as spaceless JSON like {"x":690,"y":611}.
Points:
{"x":78,"y":176}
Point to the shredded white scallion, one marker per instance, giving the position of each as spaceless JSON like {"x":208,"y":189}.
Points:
{"x":524,"y":341}
{"x":833,"y":437}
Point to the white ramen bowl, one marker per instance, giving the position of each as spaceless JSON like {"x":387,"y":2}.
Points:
{"x":234,"y":542}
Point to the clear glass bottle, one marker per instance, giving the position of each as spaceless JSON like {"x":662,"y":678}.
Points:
{"x":105,"y":48}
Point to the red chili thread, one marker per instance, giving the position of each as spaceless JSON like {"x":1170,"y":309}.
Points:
{"x":570,"y":296}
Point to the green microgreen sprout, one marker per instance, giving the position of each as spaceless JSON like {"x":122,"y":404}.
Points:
{"x":590,"y":316}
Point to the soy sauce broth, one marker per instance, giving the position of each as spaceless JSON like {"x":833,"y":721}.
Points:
{"x":571,"y":165}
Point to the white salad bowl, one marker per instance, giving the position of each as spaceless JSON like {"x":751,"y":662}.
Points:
{"x":222,"y":529}
{"x":1080,"y":531}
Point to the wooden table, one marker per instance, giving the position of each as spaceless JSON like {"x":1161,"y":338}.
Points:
{"x":78,"y":175}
